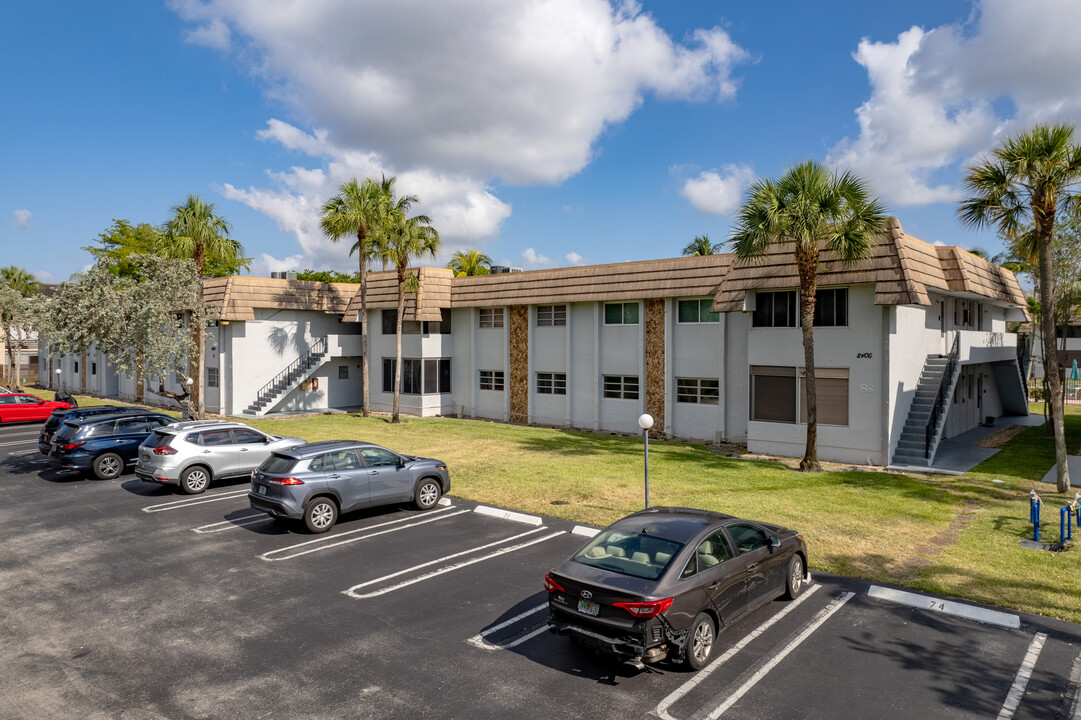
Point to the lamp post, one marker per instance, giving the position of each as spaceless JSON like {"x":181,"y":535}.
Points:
{"x":187,"y":405}
{"x":645,"y":421}
{"x":59,"y":384}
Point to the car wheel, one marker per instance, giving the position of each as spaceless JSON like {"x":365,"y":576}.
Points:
{"x":194,"y":480}
{"x":427,"y":495}
{"x":700,"y":642}
{"x":793,"y":584}
{"x":108,"y":466}
{"x":320,"y":515}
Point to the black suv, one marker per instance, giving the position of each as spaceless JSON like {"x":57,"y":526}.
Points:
{"x":105,"y":444}
{"x":52,"y":424}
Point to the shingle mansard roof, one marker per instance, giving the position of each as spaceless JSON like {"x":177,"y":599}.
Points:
{"x":901,"y":267}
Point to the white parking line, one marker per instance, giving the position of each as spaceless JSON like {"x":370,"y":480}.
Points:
{"x":1017,"y":690}
{"x":431,"y":517}
{"x":993,"y":617}
{"x":351,"y":592}
{"x":230,"y":524}
{"x":820,"y":618}
{"x":178,"y":504}
{"x":508,"y":515}
{"x":28,"y":441}
{"x":662,"y":707}
{"x":479,"y":641}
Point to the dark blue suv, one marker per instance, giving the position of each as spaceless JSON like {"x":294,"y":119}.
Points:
{"x":105,"y":444}
{"x":52,"y":424}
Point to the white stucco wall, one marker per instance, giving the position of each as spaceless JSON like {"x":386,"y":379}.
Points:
{"x":695,"y":350}
{"x":915,"y":333}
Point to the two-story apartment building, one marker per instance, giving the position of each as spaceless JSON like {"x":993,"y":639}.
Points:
{"x":710,"y":347}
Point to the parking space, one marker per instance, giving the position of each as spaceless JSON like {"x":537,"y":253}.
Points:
{"x":122,"y":597}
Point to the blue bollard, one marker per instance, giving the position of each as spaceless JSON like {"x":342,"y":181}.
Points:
{"x":1034,"y":515}
{"x":1065,"y":525}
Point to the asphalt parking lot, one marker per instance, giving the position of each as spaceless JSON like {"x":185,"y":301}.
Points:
{"x":123,"y":599}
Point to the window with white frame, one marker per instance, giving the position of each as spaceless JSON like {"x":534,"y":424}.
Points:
{"x":491,"y":380}
{"x":551,"y":315}
{"x":690,"y":312}
{"x":491,"y":317}
{"x":621,"y":387}
{"x":621,"y":313}
{"x":703,"y":391}
{"x":551,"y":383}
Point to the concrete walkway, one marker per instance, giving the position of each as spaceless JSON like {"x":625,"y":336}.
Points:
{"x":961,"y":453}
{"x":1073,"y":464}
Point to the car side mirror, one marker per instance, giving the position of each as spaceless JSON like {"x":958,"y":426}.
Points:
{"x":774,"y":543}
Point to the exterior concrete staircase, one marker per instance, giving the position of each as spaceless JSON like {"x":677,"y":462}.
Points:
{"x":289,"y":379}
{"x":927,"y":415}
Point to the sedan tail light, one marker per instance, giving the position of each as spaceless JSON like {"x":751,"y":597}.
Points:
{"x":645,"y":609}
{"x":285,"y":481}
{"x":165,"y":450}
{"x":72,"y":446}
{"x":551,"y":585}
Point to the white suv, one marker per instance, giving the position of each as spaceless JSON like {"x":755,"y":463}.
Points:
{"x":194,"y":454}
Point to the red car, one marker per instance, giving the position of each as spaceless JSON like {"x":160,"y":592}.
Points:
{"x":20,"y":407}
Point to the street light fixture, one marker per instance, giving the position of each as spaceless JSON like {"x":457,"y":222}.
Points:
{"x":59,"y":385}
{"x":645,"y":421}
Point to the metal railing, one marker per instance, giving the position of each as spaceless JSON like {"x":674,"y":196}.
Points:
{"x":293,"y":371}
{"x":942,"y":397}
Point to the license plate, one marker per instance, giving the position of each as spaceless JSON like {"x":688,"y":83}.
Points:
{"x":144,"y":455}
{"x":589,"y":608}
{"x":260,"y":489}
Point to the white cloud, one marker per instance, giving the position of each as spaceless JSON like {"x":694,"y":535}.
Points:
{"x":712,"y":192}
{"x":575,"y":259}
{"x":210,"y":28}
{"x":534,"y":260}
{"x":21,"y":218}
{"x":941,"y":96}
{"x":44,"y":276}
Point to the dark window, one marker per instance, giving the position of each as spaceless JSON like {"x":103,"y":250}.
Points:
{"x":212,"y":438}
{"x":491,"y":380}
{"x":831,"y":396}
{"x":76,"y":366}
{"x":248,"y":437}
{"x":831,"y":308}
{"x":773,"y":393}
{"x":131,"y":425}
{"x":211,"y":377}
{"x":696,"y":311}
{"x":418,"y":376}
{"x":343,"y":372}
{"x":431,"y":375}
{"x":551,"y":383}
{"x":493,"y":317}
{"x":621,"y":387}
{"x":411,"y":376}
{"x":713,"y":551}
{"x":93,"y":368}
{"x":378,"y":457}
{"x":157,"y":440}
{"x":440,"y":327}
{"x":390,"y":324}
{"x":621,"y":313}
{"x":774,"y":309}
{"x":747,"y":538}
{"x":551,"y":315}
{"x":705,"y":391}
{"x":278,"y":464}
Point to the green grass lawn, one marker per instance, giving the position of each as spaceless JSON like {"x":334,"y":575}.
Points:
{"x":943,"y":534}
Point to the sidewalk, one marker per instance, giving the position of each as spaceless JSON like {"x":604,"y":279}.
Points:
{"x":1073,"y":464}
{"x":961,"y":453}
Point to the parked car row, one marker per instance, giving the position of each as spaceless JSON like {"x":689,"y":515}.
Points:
{"x":24,"y":407}
{"x":290,"y":478}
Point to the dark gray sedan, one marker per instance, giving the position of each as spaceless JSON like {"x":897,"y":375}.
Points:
{"x":662,"y":582}
{"x":318,"y":481}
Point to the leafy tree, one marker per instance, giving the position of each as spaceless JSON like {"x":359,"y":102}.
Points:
{"x":814,"y":210}
{"x":136,"y":319}
{"x":979,"y":252}
{"x":702,"y":246}
{"x":117,"y":244}
{"x":16,"y":317}
{"x":1029,"y":178}
{"x":329,"y":276}
{"x":401,"y":239}
{"x":355,"y":212}
{"x":470,"y":262}
{"x":195,"y":231}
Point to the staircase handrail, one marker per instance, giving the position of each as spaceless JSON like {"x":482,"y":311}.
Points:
{"x":942,"y":396}
{"x":319,"y":347}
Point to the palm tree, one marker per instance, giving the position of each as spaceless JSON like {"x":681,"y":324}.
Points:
{"x":980,"y":253}
{"x":25,"y":284}
{"x":701,"y":246}
{"x":1027,"y":179}
{"x":814,"y":210}
{"x":401,"y":239}
{"x":195,"y":231}
{"x":470,"y":262}
{"x":355,"y":211}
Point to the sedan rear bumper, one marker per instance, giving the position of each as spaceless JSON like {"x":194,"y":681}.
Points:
{"x":626,"y":646}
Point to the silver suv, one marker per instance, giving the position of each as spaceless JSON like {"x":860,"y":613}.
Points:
{"x":193,"y":454}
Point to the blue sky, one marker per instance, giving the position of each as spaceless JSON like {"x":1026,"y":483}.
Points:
{"x":546,"y":133}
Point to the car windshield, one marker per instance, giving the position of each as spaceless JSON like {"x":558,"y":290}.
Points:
{"x":638,"y":555}
{"x":277,"y":465}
